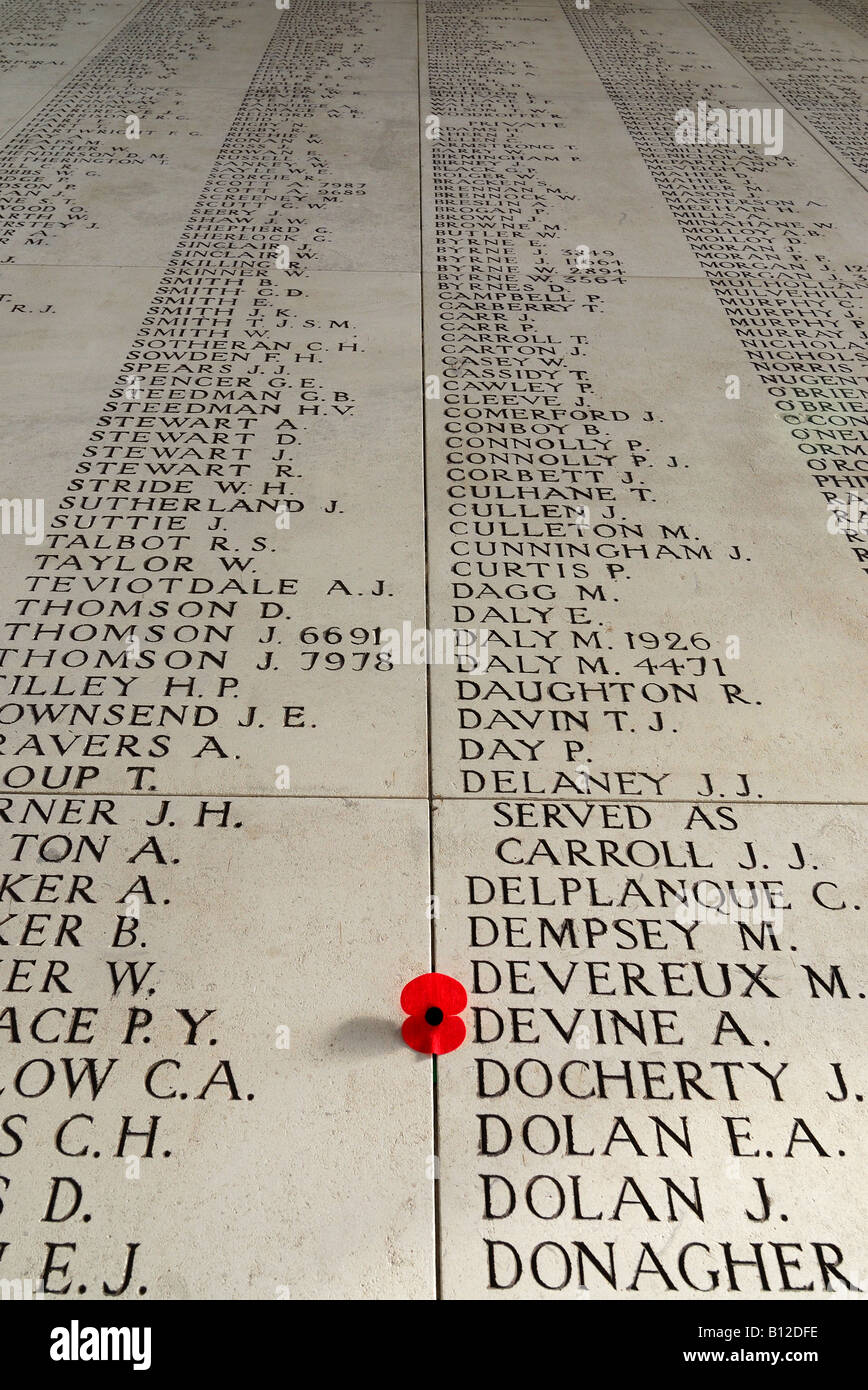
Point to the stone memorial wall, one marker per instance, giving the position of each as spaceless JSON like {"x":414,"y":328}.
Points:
{"x":433,"y":537}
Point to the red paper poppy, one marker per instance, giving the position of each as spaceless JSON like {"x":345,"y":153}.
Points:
{"x":432,"y":1001}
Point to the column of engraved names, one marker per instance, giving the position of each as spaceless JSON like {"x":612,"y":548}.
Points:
{"x":554,"y":521}
{"x":785,"y":265}
{"x":820,"y":75}
{"x":50,"y":160}
{"x":143,"y":654}
{"x":633,"y":1096}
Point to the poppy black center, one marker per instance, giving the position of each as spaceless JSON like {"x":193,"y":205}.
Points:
{"x":434,"y":1016}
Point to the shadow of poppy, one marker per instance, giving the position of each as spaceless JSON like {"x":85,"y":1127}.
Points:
{"x":368,"y":1037}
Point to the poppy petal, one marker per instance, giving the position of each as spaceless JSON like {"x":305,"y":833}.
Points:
{"x":449,"y":1035}
{"x":417,"y":1034}
{"x":449,"y":995}
{"x":444,"y":1037}
{"x":415,"y":996}
{"x":433,"y":990}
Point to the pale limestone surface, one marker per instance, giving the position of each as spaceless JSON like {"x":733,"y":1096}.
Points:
{"x":309,"y":1174}
{"x":289,"y":837}
{"x":602,"y":939}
